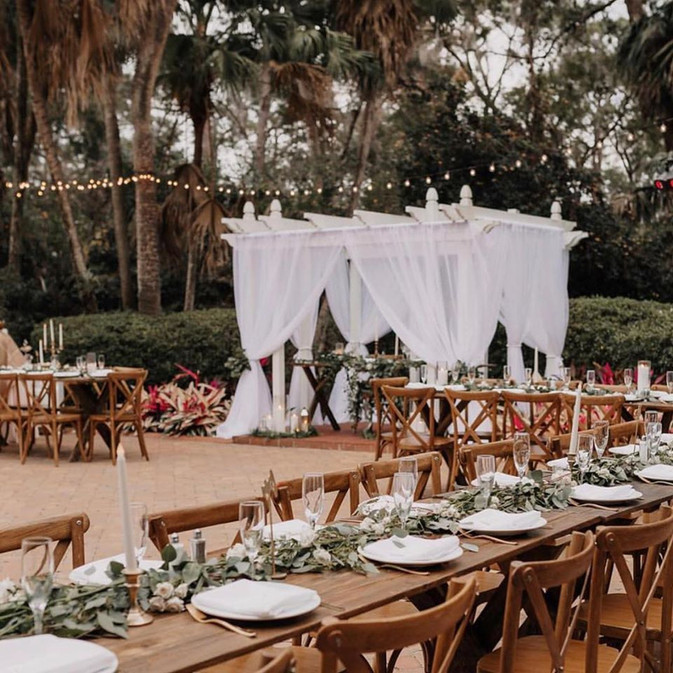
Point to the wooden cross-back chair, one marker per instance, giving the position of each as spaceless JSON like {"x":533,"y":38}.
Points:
{"x":643,"y":611}
{"x":594,"y":408}
{"x":124,"y":408}
{"x":344,"y":643}
{"x":619,"y":435}
{"x":67,"y":531}
{"x":10,"y":410}
{"x":384,"y":421}
{"x":413,"y":421}
{"x":42,"y":411}
{"x":429,"y":472}
{"x":555,"y":649}
{"x":474,"y":420}
{"x":502,"y":451}
{"x":162,"y":524}
{"x":342,"y":483}
{"x":538,"y":414}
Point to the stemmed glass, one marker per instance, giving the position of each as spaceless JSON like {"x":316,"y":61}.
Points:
{"x":650,"y":417}
{"x":506,"y":374}
{"x":37,"y":575}
{"x":424,"y":373}
{"x":409,"y":464}
{"x":80,"y":363}
{"x":653,"y":430}
{"x":585,"y":447}
{"x":628,"y":378}
{"x":403,"y":494}
{"x":313,"y":494}
{"x":669,"y":382}
{"x":486,"y":474}
{"x":471,"y":375}
{"x":140,"y":524}
{"x":521,"y":453}
{"x":455,"y":373}
{"x":566,"y":378}
{"x":591,"y":379}
{"x":100,"y":360}
{"x":601,"y":436}
{"x":251,"y":526}
{"x":528,"y":375}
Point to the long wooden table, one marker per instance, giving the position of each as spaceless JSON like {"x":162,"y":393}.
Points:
{"x":178,"y":644}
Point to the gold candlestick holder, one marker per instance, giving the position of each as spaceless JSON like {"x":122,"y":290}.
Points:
{"x":137,"y":616}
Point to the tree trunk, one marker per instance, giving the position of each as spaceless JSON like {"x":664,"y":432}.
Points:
{"x":190,"y":282}
{"x":53,"y":161}
{"x":263,"y":118}
{"x":635,"y":10}
{"x":114,"y":156}
{"x":199,"y":129}
{"x":370,"y":124}
{"x":148,"y":58}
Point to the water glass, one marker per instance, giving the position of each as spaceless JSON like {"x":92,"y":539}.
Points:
{"x":650,"y":417}
{"x":37,"y":575}
{"x":403,"y":494}
{"x":486,"y":474}
{"x":424,"y":373}
{"x":628,"y":378}
{"x":585,"y":447}
{"x":566,"y":378}
{"x":409,"y":464}
{"x":528,"y":376}
{"x":100,"y":360}
{"x":601,"y":436}
{"x":455,"y":373}
{"x":653,"y":432}
{"x":80,"y":363}
{"x":251,"y":526}
{"x":313,"y":494}
{"x":506,"y":373}
{"x":669,"y":382}
{"x":521,"y":453}
{"x":591,"y":379}
{"x":644,"y":450}
{"x":140,"y":524}
{"x":471,"y":375}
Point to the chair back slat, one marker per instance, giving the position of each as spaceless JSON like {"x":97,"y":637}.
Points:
{"x":9,"y":395}
{"x":502,"y":451}
{"x":383,"y":418}
{"x":594,"y":408}
{"x":40,"y":394}
{"x":410,"y":408}
{"x":283,"y":663}
{"x":538,"y":414}
{"x":125,"y":392}
{"x":429,"y":471}
{"x":620,"y":434}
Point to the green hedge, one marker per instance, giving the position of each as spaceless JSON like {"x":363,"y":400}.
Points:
{"x":199,"y":340}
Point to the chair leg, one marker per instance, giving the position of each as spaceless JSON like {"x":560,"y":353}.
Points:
{"x":92,"y":435}
{"x":113,"y":442}
{"x":141,"y":438}
{"x":56,"y":436}
{"x":80,"y":440}
{"x":24,"y":446}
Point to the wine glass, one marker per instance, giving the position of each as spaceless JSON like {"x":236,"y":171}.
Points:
{"x":455,"y":373}
{"x":80,"y":363}
{"x":403,"y":494}
{"x":140,"y":524}
{"x":313,"y":493}
{"x":650,"y":416}
{"x":585,"y":447}
{"x":424,"y":373}
{"x":528,"y":375}
{"x":409,"y":464}
{"x":471,"y":375}
{"x":628,"y":378}
{"x":601,"y":436}
{"x":669,"y":382}
{"x":486,"y":474}
{"x":37,"y":575}
{"x":653,"y":431}
{"x":506,"y":373}
{"x":251,"y":526}
{"x":521,"y":452}
{"x":591,"y":379}
{"x":566,"y":378}
{"x":100,"y":360}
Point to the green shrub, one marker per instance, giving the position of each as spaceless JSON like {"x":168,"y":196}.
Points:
{"x":199,"y":340}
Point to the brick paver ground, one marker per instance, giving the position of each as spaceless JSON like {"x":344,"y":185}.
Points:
{"x":180,"y":472}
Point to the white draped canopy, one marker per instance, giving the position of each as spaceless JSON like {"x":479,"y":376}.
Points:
{"x":441,"y":286}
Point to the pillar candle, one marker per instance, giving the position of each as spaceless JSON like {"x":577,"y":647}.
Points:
{"x":44,"y":334}
{"x":397,"y":345}
{"x":125,"y":507}
{"x":51,"y":331}
{"x":574,"y":435}
{"x":643,"y":376}
{"x":60,"y":336}
{"x":41,"y":353}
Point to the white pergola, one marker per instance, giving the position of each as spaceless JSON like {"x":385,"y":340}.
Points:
{"x":372,"y":226}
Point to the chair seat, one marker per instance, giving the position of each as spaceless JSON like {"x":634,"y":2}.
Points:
{"x":617,"y":617}
{"x":532,"y":656}
{"x":410,"y":443}
{"x":487,"y":582}
{"x":308,"y":661}
{"x":59,"y":417}
{"x":389,"y":611}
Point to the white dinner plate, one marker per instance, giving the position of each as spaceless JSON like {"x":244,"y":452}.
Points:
{"x":598,"y":498}
{"x":94,"y":572}
{"x":503,"y":533}
{"x":66,"y":375}
{"x":502,"y":480}
{"x":665,"y":474}
{"x":382,"y":558}
{"x":626,"y":450}
{"x":228,"y":613}
{"x":633,"y":397}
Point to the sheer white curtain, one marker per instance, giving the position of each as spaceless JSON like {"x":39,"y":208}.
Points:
{"x":278,"y":279}
{"x":437,"y":286}
{"x":372,"y":325}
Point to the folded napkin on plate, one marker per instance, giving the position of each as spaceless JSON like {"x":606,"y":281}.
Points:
{"x":659,"y":471}
{"x":666,"y":437}
{"x":590,"y":492}
{"x":256,"y":600}
{"x":493,"y":519}
{"x":625,"y":450}
{"x":501,"y":479}
{"x":414,"y":385}
{"x":666,"y":397}
{"x":49,"y":654}
{"x":378,"y":503}
{"x":94,"y":572}
{"x":413,"y":549}
{"x":561,"y":463}
{"x":294,"y":529}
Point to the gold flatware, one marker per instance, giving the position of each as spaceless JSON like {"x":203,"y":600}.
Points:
{"x":595,"y":505}
{"x":651,"y":481}
{"x":204,"y":619}
{"x":483,"y":536}
{"x":403,"y":569}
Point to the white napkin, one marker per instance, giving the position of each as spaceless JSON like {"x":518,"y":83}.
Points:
{"x":501,"y":479}
{"x":458,"y":387}
{"x":101,"y":372}
{"x":378,"y":503}
{"x":626,"y":450}
{"x":666,"y":397}
{"x":493,"y":519}
{"x":49,"y":654}
{"x":294,"y":529}
{"x":592,"y":492}
{"x":659,"y":471}
{"x":256,"y":600}
{"x":416,"y":385}
{"x":658,"y":394}
{"x":666,"y":437}
{"x":413,"y":549}
{"x":633,"y":397}
{"x":561,"y":463}
{"x":94,"y":572}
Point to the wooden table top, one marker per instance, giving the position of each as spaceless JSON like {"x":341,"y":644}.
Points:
{"x":177,"y":644}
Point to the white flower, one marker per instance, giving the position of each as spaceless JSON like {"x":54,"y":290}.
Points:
{"x":157,"y":604}
{"x":237,"y":551}
{"x":495,"y":501}
{"x":182,"y":590}
{"x":306,"y":538}
{"x":164,"y":590}
{"x":379,"y":528}
{"x":174,"y":605}
{"x":367,"y":524}
{"x":322,"y":555}
{"x":7,"y":590}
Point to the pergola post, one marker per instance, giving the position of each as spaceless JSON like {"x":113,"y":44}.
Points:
{"x":278,"y":388}
{"x":355,"y":286}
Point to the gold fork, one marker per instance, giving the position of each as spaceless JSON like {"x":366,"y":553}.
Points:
{"x":204,"y":619}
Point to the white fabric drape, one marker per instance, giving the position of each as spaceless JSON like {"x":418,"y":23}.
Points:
{"x":372,"y":325}
{"x":438,"y":287}
{"x":278,"y":279}
{"x":301,"y":392}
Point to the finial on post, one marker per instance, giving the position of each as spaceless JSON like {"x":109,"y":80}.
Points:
{"x":275,"y":209}
{"x":556,"y":211}
{"x":249,"y":211}
{"x":466,"y":196}
{"x":431,"y":204}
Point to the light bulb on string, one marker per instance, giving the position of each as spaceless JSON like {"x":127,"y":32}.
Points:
{"x":491,"y":168}
{"x":389,"y":185}
{"x":428,"y":180}
{"x":447,"y":175}
{"x":473,"y":171}
{"x":407,"y":183}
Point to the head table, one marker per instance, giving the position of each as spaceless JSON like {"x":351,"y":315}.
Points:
{"x":177,"y":644}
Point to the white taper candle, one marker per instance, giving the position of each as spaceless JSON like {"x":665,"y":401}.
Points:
{"x":125,"y":506}
{"x":51,"y":331}
{"x":41,"y":353}
{"x":575,"y":434}
{"x":60,"y":335}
